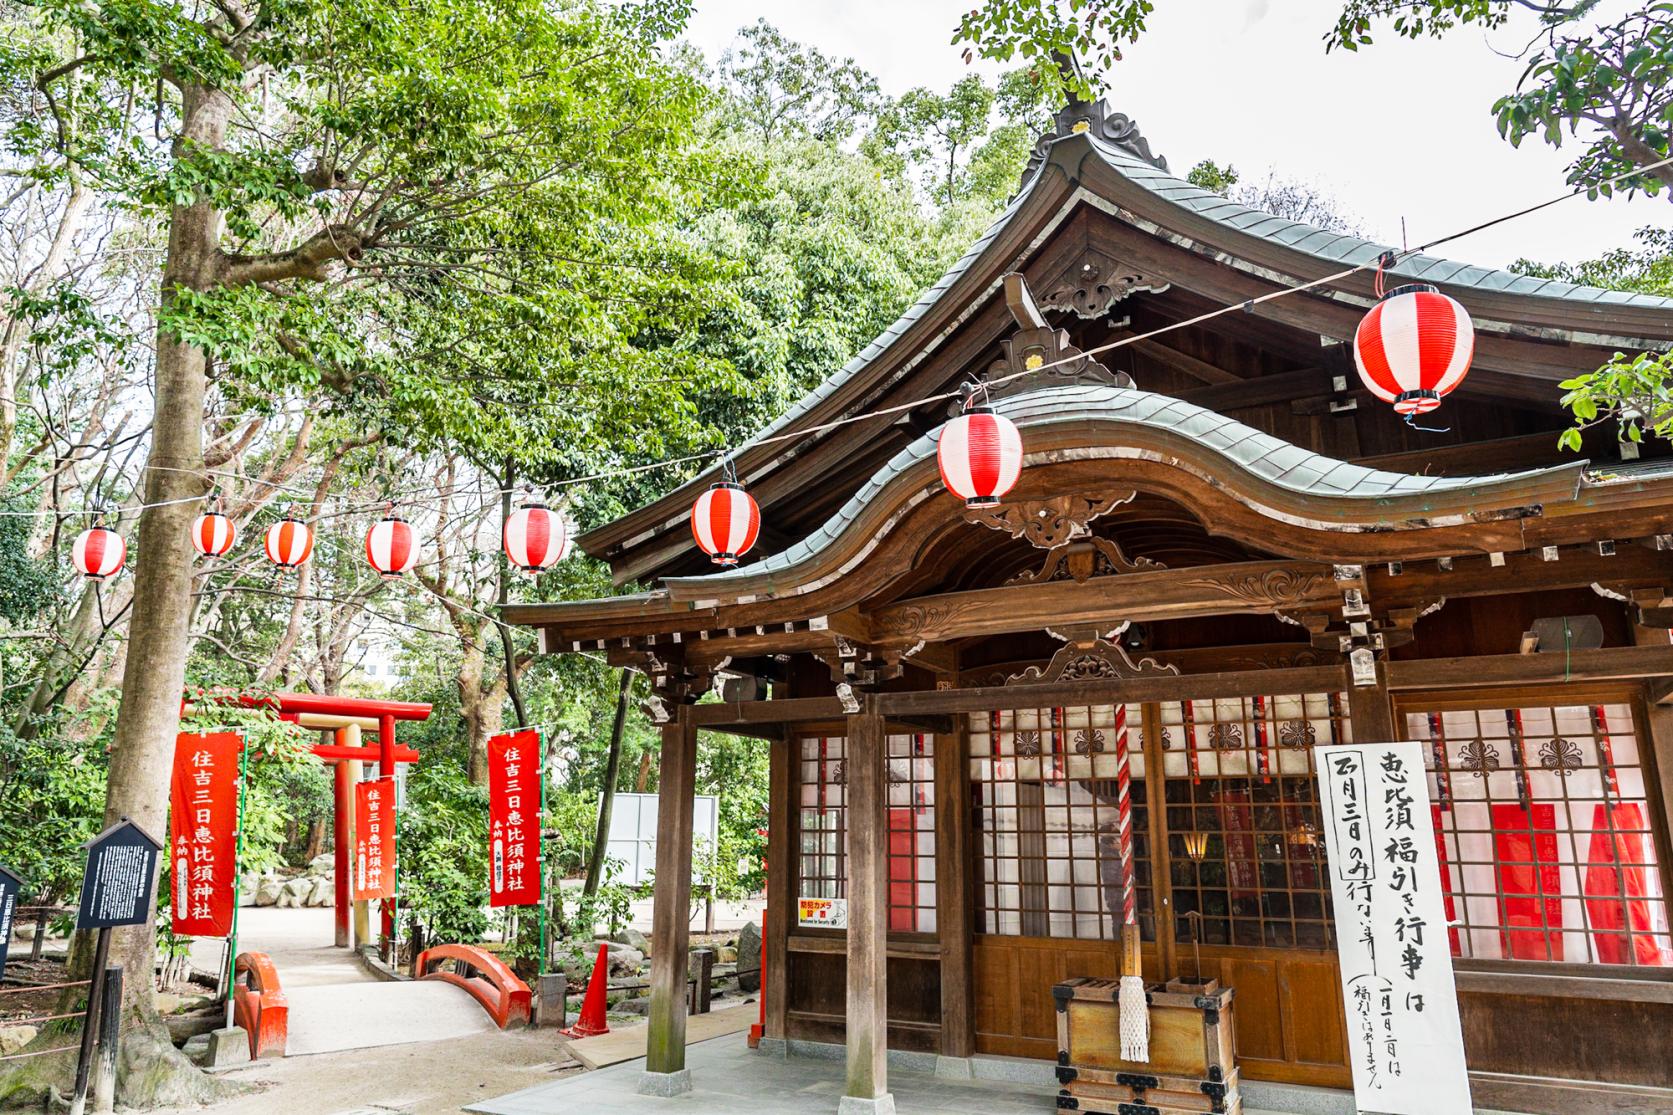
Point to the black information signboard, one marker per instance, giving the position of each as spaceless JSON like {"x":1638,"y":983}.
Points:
{"x":117,"y":886}
{"x":10,"y":884}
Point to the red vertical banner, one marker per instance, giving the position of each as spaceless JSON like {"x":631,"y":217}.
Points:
{"x":514,"y":819}
{"x":374,"y":839}
{"x":203,"y":833}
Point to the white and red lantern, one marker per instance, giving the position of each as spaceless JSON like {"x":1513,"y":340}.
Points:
{"x":535,"y":538}
{"x":980,"y":454}
{"x":1414,"y":347}
{"x":213,"y":534}
{"x":725,"y":522}
{"x":290,"y":542}
{"x":99,"y":553}
{"x":391,"y":548}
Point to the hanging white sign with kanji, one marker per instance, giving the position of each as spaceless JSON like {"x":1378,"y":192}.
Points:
{"x":1405,"y":1045}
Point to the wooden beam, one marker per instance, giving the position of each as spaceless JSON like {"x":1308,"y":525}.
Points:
{"x":1174,"y":360}
{"x":1605,"y":664}
{"x":923,"y":722}
{"x":954,"y":915}
{"x":671,"y":908}
{"x":1255,"y":586}
{"x":782,"y":765}
{"x":1149,"y":687}
{"x":868,"y":914}
{"x":783,"y":711}
{"x":1280,"y":387}
{"x":1369,"y":712}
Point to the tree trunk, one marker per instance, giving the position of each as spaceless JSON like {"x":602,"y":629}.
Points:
{"x":155,"y":672}
{"x":612,"y":771}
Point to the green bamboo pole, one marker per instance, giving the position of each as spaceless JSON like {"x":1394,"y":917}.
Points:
{"x":540,"y":843}
{"x":237,"y":872}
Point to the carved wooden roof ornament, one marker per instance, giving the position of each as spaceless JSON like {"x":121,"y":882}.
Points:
{"x":1095,"y":118}
{"x":1049,"y":523}
{"x":1037,"y":355}
{"x":1081,"y":560}
{"x":1096,"y":281}
{"x":1098,"y":659}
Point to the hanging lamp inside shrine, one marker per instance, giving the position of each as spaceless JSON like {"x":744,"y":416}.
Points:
{"x":725,"y":520}
{"x":535,"y":538}
{"x":1413,"y":347}
{"x":213,"y":534}
{"x":980,"y":456}
{"x":290,"y":542}
{"x":99,"y":553}
{"x":390,"y":546}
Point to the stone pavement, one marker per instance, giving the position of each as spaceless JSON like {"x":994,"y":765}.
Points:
{"x":729,"y":1078}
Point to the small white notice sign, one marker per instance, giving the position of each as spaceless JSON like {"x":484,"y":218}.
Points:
{"x":1405,"y":1044}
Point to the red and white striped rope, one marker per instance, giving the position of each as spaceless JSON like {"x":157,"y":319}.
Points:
{"x":1124,"y":818}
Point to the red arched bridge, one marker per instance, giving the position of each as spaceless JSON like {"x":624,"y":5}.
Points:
{"x":459,"y":990}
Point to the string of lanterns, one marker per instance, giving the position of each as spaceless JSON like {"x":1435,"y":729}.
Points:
{"x":1412,"y":349}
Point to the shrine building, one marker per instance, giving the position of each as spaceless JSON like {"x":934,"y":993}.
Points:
{"x":1224,"y":552}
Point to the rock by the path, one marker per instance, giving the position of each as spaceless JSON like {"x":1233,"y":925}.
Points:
{"x":626,"y":961}
{"x":295,"y":892}
{"x":639,"y":1004}
{"x":323,"y":864}
{"x":248,"y":885}
{"x":633,"y":939}
{"x":323,"y":892}
{"x":725,"y":954}
{"x":268,"y":893}
{"x":749,"y":958}
{"x":14,"y":1038}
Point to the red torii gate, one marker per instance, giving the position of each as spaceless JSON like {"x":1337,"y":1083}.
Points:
{"x":346,"y":718}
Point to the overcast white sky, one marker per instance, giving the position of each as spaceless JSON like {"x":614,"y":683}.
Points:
{"x":1398,"y":130}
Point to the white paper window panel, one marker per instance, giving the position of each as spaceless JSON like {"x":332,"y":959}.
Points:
{"x":632,"y":835}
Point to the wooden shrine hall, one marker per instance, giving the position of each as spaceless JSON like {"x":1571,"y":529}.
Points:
{"x":1222,"y":552}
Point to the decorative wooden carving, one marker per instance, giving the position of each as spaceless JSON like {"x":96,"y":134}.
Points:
{"x":910,"y":619}
{"x":1090,"y":661}
{"x":1094,"y":283}
{"x":673,"y":683}
{"x":1048,"y":523}
{"x":1279,"y":588}
{"x":1081,"y":561}
{"x":1115,"y":128}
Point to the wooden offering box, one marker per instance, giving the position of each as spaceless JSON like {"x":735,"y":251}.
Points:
{"x":1193,"y":1050}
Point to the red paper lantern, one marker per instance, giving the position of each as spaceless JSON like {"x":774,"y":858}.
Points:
{"x":980,"y":455}
{"x":390,"y":546}
{"x":213,"y":534}
{"x":1414,"y":347}
{"x":99,"y":553}
{"x":725,"y":521}
{"x":535,"y":538}
{"x":290,"y":542}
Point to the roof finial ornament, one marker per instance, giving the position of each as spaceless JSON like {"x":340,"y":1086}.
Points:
{"x":1093,"y":118}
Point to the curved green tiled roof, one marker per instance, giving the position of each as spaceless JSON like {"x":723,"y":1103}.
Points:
{"x":1243,"y":447}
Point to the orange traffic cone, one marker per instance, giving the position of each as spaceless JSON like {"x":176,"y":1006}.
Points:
{"x":592,"y":1021}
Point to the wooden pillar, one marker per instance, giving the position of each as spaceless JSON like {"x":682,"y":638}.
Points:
{"x":868,"y":916}
{"x":953,"y":912}
{"x":665,"y":1071}
{"x":343,"y":838}
{"x":783,"y":759}
{"x":1369,"y":710}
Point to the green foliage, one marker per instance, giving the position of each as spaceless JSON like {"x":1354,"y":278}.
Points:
{"x":1040,"y":31}
{"x":53,"y":788}
{"x":779,"y":89}
{"x":735,"y":770}
{"x":1614,"y":79}
{"x":443,"y":833}
{"x":1634,"y":391}
{"x":1210,"y":175}
{"x":27,"y":586}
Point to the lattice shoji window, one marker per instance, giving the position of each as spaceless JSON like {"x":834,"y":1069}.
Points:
{"x":1241,"y":770}
{"x":1046,"y":821}
{"x":1547,"y":850}
{"x":822,"y":867}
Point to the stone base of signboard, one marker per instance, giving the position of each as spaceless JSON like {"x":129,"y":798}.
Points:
{"x":229,"y":1047}
{"x":854,"y":1105}
{"x":665,"y":1084}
